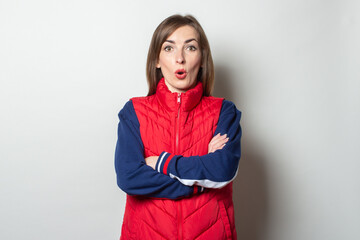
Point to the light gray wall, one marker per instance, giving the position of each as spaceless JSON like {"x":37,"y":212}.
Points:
{"x":292,"y":68}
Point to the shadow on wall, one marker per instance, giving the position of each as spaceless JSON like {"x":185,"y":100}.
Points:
{"x":249,"y":188}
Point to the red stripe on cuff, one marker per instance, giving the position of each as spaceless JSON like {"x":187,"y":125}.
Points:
{"x":195,"y":189}
{"x":166,"y":164}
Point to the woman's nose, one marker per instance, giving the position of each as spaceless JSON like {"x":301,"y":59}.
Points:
{"x":180,"y":57}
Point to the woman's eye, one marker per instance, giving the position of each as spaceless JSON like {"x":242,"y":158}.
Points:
{"x":167,"y":48}
{"x":192,"y":48}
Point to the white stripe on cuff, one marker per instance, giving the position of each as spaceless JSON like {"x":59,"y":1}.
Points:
{"x":204,"y":182}
{"x":161,"y":159}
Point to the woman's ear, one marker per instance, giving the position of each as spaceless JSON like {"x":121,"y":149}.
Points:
{"x":158,"y":65}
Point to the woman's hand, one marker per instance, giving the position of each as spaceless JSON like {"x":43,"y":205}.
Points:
{"x":217,"y":142}
{"x":151,"y":161}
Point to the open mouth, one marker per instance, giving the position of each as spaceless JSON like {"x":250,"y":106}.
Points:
{"x":181,"y":74}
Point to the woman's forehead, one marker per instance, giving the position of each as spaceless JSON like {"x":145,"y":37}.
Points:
{"x":182,"y":34}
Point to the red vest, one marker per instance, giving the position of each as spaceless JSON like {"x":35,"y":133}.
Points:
{"x":183,"y":125}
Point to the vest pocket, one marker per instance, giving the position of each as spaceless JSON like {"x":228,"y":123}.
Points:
{"x":225,"y":219}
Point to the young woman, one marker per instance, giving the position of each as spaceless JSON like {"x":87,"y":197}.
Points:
{"x":178,"y":148}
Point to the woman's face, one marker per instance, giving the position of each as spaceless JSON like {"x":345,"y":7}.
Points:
{"x":180,"y":59}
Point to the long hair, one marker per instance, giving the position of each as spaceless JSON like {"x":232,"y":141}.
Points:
{"x":163,"y":31}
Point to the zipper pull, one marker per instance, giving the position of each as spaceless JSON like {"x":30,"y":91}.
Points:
{"x":178,"y":98}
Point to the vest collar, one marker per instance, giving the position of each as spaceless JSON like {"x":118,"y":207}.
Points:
{"x":169,"y":100}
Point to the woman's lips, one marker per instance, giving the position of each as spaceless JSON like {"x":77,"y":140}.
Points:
{"x":180,"y":74}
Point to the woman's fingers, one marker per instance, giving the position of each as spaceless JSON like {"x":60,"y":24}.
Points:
{"x":219,"y":145}
{"x":217,"y":142}
{"x":218,"y":138}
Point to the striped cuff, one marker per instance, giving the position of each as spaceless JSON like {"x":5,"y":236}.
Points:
{"x":163,"y":162}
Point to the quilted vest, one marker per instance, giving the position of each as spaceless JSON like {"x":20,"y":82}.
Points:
{"x":182,"y":124}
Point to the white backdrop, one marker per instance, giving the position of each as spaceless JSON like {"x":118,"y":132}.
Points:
{"x":292,"y":67}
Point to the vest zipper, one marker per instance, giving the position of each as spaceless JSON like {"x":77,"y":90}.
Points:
{"x":177,"y":124}
{"x":179,"y":206}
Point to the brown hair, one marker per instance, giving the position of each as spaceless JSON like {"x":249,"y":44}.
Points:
{"x":163,"y":31}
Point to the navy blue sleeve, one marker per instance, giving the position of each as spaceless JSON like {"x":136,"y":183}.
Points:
{"x":133,"y":175}
{"x":213,"y":170}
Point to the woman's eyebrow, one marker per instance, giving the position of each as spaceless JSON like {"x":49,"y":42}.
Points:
{"x":190,"y":40}
{"x":186,"y":41}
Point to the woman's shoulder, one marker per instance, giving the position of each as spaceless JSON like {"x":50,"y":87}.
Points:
{"x":130,"y":105}
{"x":224,"y":103}
{"x":143,"y":99}
{"x":127,"y":109}
{"x":212,"y":99}
{"x":228,"y":107}
{"x":228,"y":104}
